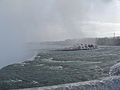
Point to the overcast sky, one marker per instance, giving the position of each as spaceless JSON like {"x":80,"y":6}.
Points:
{"x":39,"y":20}
{"x":63,"y":19}
{"x":24,"y":21}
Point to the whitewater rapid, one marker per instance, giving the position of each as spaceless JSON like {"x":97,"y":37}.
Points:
{"x":108,"y":83}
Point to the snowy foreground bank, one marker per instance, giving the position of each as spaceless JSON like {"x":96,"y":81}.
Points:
{"x":108,"y":83}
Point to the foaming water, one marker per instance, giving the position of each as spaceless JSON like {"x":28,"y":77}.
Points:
{"x":89,"y":68}
{"x":109,"y":83}
{"x":51,"y":60}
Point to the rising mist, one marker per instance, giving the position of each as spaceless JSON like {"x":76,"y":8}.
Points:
{"x":23,"y":21}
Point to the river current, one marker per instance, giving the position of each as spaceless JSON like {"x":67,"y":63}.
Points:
{"x":64,"y":67}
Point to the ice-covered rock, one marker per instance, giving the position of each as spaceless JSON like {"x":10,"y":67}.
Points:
{"x":115,"y":70}
{"x":109,"y":83}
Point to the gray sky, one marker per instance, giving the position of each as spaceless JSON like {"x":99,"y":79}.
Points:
{"x":62,"y":19}
{"x":41,"y":20}
{"x":24,"y":21}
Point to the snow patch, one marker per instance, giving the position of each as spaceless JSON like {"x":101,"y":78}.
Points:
{"x":14,"y":81}
{"x":35,"y":82}
{"x":40,"y":65}
{"x":56,"y":68}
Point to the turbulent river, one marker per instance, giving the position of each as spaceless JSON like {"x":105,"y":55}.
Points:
{"x":64,"y":67}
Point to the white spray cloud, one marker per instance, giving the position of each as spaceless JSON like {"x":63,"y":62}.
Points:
{"x":24,"y":21}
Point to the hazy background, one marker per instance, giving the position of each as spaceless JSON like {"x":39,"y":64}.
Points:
{"x":23,"y":21}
